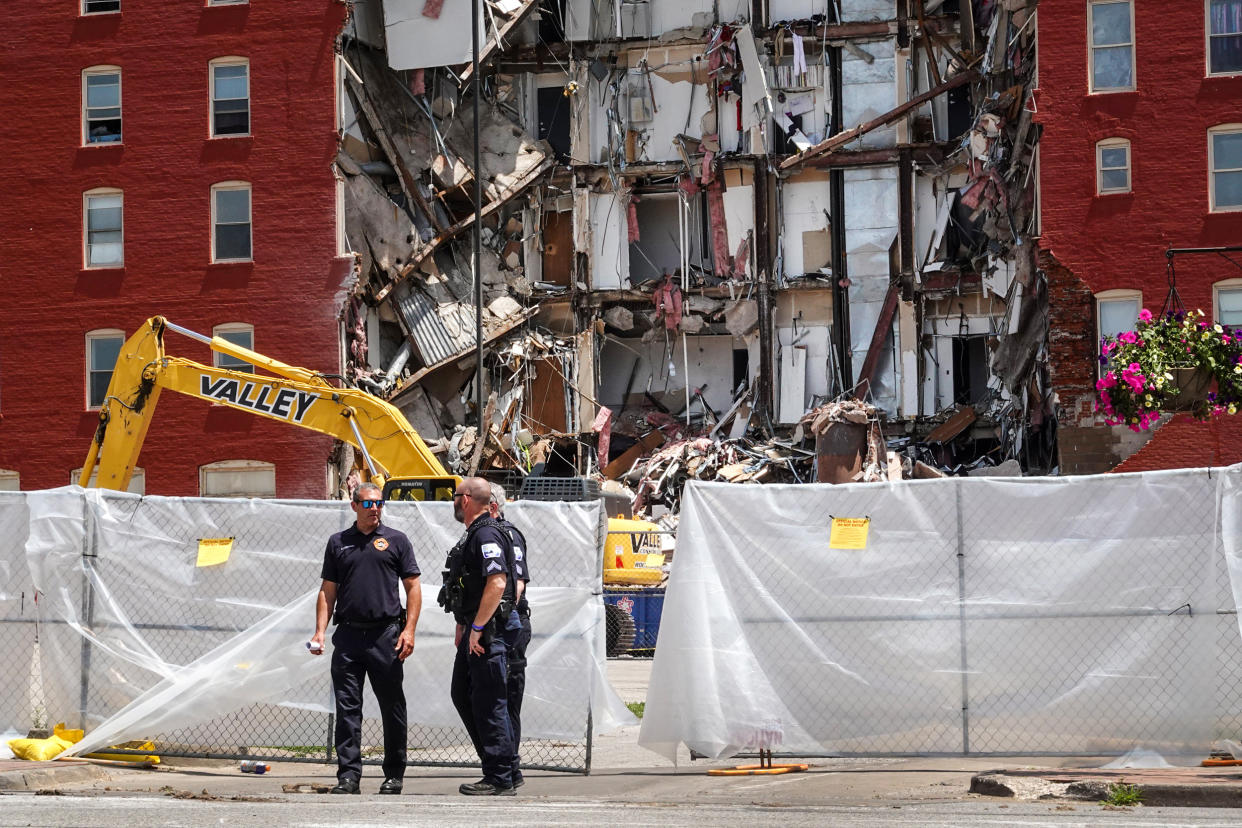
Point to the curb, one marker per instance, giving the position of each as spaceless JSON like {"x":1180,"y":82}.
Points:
{"x":1158,"y":794}
{"x":47,"y":775}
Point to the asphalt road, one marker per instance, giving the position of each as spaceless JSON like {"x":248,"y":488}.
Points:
{"x":448,"y":812}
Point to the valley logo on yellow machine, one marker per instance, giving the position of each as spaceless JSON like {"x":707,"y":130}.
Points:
{"x":285,"y":403}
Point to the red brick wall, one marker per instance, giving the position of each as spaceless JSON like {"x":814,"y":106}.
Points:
{"x":1118,"y":241}
{"x":1183,"y":442}
{"x":165,"y":167}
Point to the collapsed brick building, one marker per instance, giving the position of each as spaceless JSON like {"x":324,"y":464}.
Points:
{"x":698,"y":225}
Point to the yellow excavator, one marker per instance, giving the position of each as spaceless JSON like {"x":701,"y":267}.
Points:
{"x":393,"y":454}
{"x":390,"y":447}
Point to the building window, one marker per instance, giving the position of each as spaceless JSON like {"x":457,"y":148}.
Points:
{"x":10,"y":481}
{"x":237,"y":478}
{"x":1227,"y":296}
{"x":1112,"y":45}
{"x":1224,"y":37}
{"x":1116,"y":312}
{"x":237,"y":334}
{"x":137,"y":482}
{"x":100,"y":6}
{"x":230,"y":222}
{"x":1112,"y":162}
{"x":102,"y":349}
{"x":230,"y":96}
{"x":1225,"y":160}
{"x":101,"y":105}
{"x":103,"y":228}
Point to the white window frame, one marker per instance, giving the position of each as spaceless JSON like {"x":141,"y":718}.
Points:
{"x":1091,"y":47}
{"x":91,"y":336}
{"x":137,"y":481}
{"x":225,"y":361}
{"x":96,"y":71}
{"x":226,"y":186}
{"x":231,"y":467}
{"x":1116,"y":295}
{"x":100,"y":192}
{"x":10,"y":480}
{"x":1207,"y":48}
{"x":87,"y":13}
{"x":1229,"y":285}
{"x":212,"y":66}
{"x":1222,"y":129}
{"x":1106,"y":144}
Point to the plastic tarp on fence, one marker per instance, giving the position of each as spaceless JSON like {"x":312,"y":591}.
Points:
{"x":1079,"y":615}
{"x":138,"y":639}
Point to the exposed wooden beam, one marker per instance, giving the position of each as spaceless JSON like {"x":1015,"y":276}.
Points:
{"x":883,"y":327}
{"x":841,"y":138}
{"x":494,"y":43}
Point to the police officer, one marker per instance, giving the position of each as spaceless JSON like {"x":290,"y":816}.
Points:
{"x":521,"y":638}
{"x":361,"y":568}
{"x":480,"y":594}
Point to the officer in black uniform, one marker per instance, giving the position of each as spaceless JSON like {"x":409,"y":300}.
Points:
{"x":479,"y":593}
{"x":361,"y":568}
{"x":520,"y":641}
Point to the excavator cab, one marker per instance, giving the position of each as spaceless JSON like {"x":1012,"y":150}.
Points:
{"x":420,"y":488}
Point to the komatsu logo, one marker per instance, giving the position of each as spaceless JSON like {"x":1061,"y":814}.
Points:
{"x":287,"y":403}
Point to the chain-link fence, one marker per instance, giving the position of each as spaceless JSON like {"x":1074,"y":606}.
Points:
{"x":633,"y":618}
{"x":1052,"y":616}
{"x":125,"y":571}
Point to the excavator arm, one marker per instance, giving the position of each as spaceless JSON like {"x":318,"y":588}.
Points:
{"x":389,"y":445}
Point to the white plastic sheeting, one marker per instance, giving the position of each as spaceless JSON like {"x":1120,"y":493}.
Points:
{"x":145,"y":641}
{"x":1084,"y":615}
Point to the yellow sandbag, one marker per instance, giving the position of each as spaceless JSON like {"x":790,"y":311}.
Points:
{"x":39,"y":750}
{"x":71,"y":736}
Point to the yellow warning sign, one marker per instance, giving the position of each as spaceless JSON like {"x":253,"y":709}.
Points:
{"x":849,"y":533}
{"x":212,"y":551}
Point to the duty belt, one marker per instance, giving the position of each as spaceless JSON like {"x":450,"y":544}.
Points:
{"x":367,"y":625}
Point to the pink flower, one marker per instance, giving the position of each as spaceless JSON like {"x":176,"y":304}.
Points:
{"x":1144,"y":315}
{"x":1107,"y":381}
{"x":1109,"y":347}
{"x":1128,"y":337}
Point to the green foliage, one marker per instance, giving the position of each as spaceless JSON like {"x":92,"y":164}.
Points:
{"x":636,"y":708}
{"x":1119,"y":793}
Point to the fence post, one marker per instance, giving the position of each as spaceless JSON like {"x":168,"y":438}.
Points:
{"x":88,"y":612}
{"x":961,"y":615}
{"x":590,"y":728}
{"x":327,"y":745}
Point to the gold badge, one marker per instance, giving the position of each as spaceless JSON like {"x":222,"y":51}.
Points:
{"x":381,"y":544}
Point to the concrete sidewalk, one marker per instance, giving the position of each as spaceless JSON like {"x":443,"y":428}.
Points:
{"x":862,"y":782}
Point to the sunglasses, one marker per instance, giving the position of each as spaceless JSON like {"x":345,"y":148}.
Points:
{"x":367,"y":504}
{"x":460,"y":494}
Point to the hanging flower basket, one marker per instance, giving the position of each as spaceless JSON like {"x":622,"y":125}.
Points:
{"x":1169,"y":364}
{"x":1188,"y":388}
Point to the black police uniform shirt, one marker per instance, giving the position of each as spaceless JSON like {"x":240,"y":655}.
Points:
{"x":520,"y":569}
{"x":483,"y":557}
{"x":367,"y":569}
